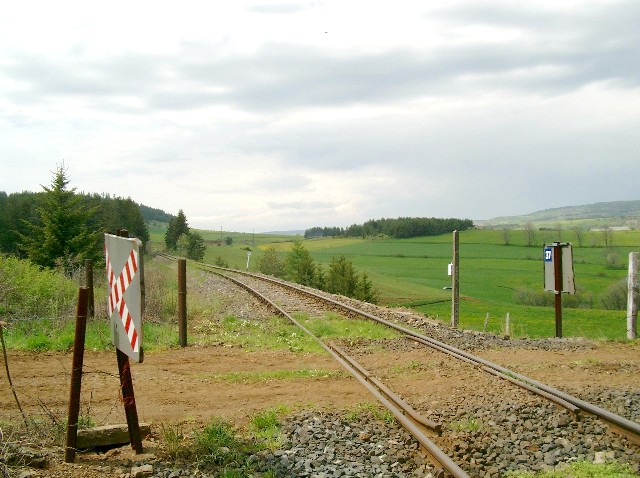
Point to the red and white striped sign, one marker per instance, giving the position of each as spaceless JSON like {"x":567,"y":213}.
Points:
{"x":117,"y":288}
{"x":124,"y":302}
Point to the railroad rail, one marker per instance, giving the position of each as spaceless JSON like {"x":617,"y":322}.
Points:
{"x":409,"y":418}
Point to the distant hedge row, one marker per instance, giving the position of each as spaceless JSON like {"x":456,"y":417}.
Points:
{"x":401,"y":228}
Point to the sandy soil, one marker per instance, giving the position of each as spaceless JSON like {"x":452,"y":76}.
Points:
{"x":182,"y":385}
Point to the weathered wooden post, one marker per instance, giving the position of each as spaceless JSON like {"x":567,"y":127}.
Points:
{"x":486,"y":322}
{"x":76,"y":375}
{"x":182,"y":302}
{"x":632,"y":297}
{"x":88,"y":271}
{"x":455,"y":282}
{"x":507,"y":327}
{"x":557,"y":271}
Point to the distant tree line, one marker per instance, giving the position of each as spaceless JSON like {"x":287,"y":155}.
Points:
{"x":152,"y":214}
{"x":400,"y":228}
{"x":298,"y":266}
{"x":59,"y":227}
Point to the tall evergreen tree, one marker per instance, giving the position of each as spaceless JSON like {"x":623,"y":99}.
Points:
{"x":61,"y":236}
{"x":177,"y":226}
{"x":271,"y":264}
{"x":195,"y":246}
{"x":300,"y":265}
{"x":342,"y":277}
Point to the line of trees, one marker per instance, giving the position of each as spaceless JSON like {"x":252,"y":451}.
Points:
{"x":400,"y":228}
{"x":298,"y":266}
{"x":58,"y":227}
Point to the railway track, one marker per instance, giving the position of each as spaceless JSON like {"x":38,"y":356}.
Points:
{"x":471,"y":372}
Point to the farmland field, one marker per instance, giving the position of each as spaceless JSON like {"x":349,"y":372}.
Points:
{"x":413,"y":273}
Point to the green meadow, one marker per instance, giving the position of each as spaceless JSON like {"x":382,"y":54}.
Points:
{"x":413,"y":273}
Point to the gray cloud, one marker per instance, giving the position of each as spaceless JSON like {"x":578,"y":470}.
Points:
{"x":277,"y":8}
{"x":279,"y":77}
{"x":453,"y":128}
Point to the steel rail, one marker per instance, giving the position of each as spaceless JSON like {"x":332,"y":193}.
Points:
{"x":408,"y":409}
{"x":404,"y":413}
{"x":558,"y":401}
{"x":618,"y":424}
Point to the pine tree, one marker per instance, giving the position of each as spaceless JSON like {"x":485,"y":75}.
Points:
{"x":271,"y":264}
{"x":177,"y":227}
{"x":342,"y":277}
{"x":61,"y":236}
{"x":195,"y":247}
{"x":300,"y":265}
{"x":365,"y":290}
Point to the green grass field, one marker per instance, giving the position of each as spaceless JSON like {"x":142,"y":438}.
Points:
{"x":413,"y":273}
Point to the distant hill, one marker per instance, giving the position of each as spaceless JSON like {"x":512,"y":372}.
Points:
{"x":615,"y":213}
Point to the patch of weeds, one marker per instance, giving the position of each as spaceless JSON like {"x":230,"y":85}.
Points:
{"x":230,"y":322}
{"x":413,"y":366}
{"x":272,"y":334}
{"x":360,"y":410}
{"x":265,"y":428}
{"x":587,"y":362}
{"x":217,"y":445}
{"x":467,"y":424}
{"x":265,"y":376}
{"x":581,"y":469}
{"x":174,"y":445}
{"x":334,"y":326}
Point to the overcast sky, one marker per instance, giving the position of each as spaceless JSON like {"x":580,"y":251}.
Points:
{"x":269,"y":116}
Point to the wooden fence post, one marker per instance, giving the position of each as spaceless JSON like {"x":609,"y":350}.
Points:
{"x":507,"y":327}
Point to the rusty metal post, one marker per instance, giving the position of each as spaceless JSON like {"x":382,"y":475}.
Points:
{"x":129,"y":401}
{"x":557,"y":276}
{"x":88,"y":271}
{"x":182,"y":302}
{"x":76,"y":375}
{"x":455,"y":282}
{"x":126,"y":388}
{"x":632,"y":297}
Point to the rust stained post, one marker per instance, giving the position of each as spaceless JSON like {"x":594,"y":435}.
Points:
{"x":88,"y":270}
{"x":182,"y":302}
{"x":76,"y":375}
{"x":126,"y":388}
{"x":557,"y":274}
{"x":129,"y":401}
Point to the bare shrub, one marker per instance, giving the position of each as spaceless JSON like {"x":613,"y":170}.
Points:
{"x":615,"y":296}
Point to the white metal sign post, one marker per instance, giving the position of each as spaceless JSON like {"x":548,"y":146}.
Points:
{"x":124,"y":272}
